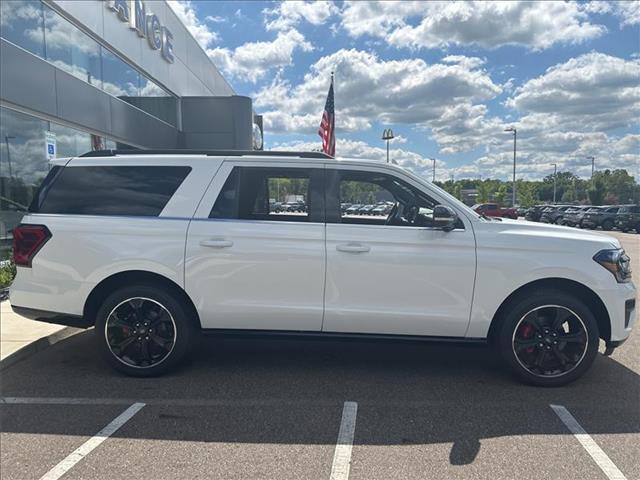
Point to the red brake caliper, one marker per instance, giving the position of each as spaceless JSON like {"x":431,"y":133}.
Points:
{"x":526,"y":332}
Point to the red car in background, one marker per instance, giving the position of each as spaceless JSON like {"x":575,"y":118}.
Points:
{"x":494,"y":210}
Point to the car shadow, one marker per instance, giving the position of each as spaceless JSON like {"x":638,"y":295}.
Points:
{"x":275,"y":390}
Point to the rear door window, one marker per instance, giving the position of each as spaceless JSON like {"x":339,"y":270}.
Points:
{"x":273,"y":194}
{"x":111,"y":190}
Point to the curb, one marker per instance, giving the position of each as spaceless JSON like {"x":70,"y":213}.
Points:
{"x":37,"y":346}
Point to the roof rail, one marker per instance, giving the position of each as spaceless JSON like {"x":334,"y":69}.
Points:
{"x":210,"y":153}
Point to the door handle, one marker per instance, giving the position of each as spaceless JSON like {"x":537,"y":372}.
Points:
{"x":353,"y":248}
{"x":216,"y":243}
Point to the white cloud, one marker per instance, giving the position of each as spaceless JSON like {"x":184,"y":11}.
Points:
{"x":254,"y":60}
{"x":215,"y":19}
{"x":628,"y":12}
{"x":369,"y":89}
{"x":487,"y":24}
{"x":187,"y":14}
{"x":469,"y":62}
{"x":590,"y":92}
{"x":289,"y":13}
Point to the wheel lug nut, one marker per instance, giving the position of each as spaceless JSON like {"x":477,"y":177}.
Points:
{"x":540,"y":345}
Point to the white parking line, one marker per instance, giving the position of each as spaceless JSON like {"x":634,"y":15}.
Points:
{"x":83,"y":450}
{"x":342,"y":455}
{"x":602,"y":460}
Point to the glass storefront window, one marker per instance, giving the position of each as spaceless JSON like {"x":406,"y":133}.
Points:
{"x":118,"y":77}
{"x":71,"y":50}
{"x":23,"y":165}
{"x":71,"y":142}
{"x":21,"y":23}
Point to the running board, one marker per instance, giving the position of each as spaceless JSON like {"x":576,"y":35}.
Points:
{"x":302,"y":334}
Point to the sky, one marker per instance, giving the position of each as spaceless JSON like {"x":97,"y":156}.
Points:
{"x":446,"y":77}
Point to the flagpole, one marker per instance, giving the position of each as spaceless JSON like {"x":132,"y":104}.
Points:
{"x":334,"y":109}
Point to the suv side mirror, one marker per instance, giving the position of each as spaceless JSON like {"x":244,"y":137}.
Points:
{"x":444,"y":217}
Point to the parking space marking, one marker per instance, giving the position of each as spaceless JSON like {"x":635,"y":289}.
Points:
{"x":602,"y":460}
{"x":83,"y":450}
{"x":342,"y":455}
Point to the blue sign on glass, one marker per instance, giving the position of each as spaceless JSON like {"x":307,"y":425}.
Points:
{"x":50,"y":149}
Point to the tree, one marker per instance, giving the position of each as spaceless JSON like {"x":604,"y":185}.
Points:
{"x":501,"y":193}
{"x":527,"y":193}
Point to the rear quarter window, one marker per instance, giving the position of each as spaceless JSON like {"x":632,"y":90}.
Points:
{"x":111,"y":190}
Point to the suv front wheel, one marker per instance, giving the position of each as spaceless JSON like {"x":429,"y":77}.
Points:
{"x":143,"y":331}
{"x":549,"y":338}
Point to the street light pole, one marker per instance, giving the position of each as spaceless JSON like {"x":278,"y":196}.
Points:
{"x":593,"y":165}
{"x":555,"y":178}
{"x":387,"y":135}
{"x":6,"y":141}
{"x":434,"y":170}
{"x":513,"y":193}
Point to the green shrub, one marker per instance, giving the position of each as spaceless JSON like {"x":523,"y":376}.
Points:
{"x":7,"y":273}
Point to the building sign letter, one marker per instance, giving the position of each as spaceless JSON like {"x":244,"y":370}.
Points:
{"x":137,"y":17}
{"x":146,"y":24}
{"x":167,"y":45}
{"x":121,"y":8}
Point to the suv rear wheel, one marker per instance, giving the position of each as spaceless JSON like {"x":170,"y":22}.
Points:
{"x":143,"y":331}
{"x":548,"y":338}
{"x":607,"y":225}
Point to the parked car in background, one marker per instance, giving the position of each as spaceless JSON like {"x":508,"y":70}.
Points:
{"x":383,"y":208}
{"x":554,"y":213}
{"x":344,"y":206}
{"x":604,"y":217}
{"x":533,"y":213}
{"x":521,"y":211}
{"x":154,"y":248}
{"x":293,"y":207}
{"x":495,"y":210}
{"x":574,"y":215}
{"x":366,"y":209}
{"x":628,"y":218}
{"x":353,"y":209}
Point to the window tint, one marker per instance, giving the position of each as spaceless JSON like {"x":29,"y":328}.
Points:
{"x":378,"y":199}
{"x":121,"y":190}
{"x":255,"y":193}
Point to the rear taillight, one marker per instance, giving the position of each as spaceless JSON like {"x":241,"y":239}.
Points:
{"x":27,"y":241}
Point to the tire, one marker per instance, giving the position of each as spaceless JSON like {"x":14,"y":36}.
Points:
{"x":559,"y":221}
{"x":152,"y":307}
{"x":607,"y":225}
{"x":539,"y":307}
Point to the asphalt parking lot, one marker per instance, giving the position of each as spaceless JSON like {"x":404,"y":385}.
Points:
{"x":311,"y":409}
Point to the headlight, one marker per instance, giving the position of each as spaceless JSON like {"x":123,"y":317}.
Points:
{"x":617,"y":262}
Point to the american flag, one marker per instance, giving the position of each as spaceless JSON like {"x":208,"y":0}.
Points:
{"x":327,"y":125}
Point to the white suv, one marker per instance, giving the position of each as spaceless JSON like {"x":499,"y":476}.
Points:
{"x":154,"y":247}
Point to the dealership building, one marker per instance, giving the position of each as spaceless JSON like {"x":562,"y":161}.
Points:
{"x":80,"y":75}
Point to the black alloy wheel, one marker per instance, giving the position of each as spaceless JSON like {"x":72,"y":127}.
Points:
{"x":547,"y":337}
{"x":140,"y":332}
{"x":145,"y":330}
{"x":550,"y":340}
